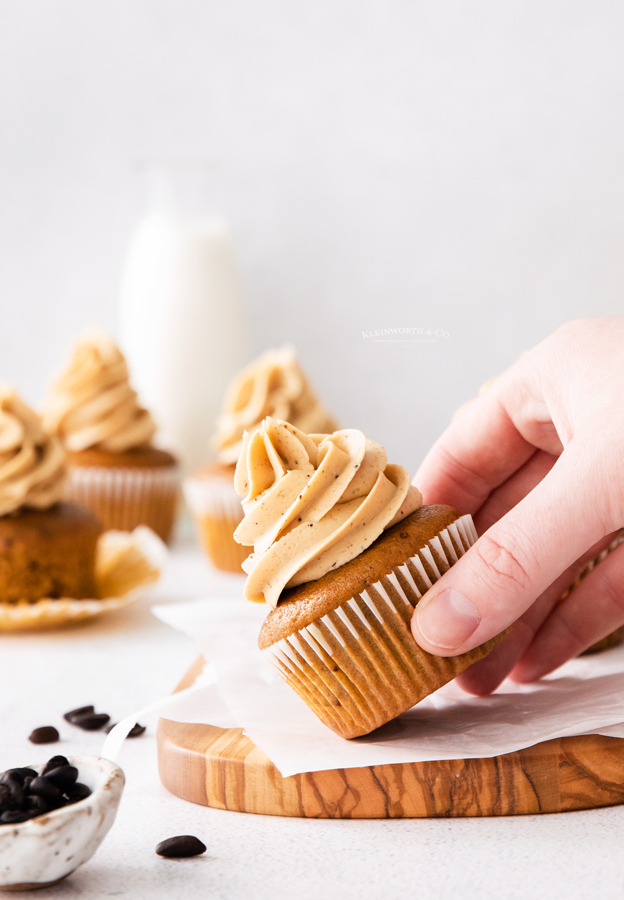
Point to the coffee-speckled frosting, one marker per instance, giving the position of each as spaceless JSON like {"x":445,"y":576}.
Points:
{"x":312,"y":503}
{"x":274,"y":385}
{"x":92,"y":404}
{"x":32,"y":463}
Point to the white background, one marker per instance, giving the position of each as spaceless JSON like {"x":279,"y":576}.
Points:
{"x":418,"y":163}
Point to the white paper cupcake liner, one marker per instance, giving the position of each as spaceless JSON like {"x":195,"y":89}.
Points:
{"x":126,"y":566}
{"x":359,"y":665}
{"x":124,"y":498}
{"x":214,"y":497}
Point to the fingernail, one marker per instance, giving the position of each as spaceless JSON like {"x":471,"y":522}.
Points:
{"x":448,"y":619}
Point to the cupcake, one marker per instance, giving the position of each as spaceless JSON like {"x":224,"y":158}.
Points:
{"x":273,"y":385}
{"x":343,"y":552}
{"x":47,"y":547}
{"x":114,"y":469}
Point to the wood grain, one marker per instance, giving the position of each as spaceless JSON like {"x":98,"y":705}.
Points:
{"x":222,"y":768}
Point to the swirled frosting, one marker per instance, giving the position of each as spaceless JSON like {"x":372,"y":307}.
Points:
{"x":274,"y":385}
{"x":312,"y":502}
{"x":32,"y":463}
{"x":92,"y":404}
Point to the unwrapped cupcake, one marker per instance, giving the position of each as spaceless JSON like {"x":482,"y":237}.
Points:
{"x":273,"y":385}
{"x":47,"y":547}
{"x":114,"y":469}
{"x":343,"y":550}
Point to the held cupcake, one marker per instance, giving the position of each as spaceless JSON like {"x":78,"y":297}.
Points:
{"x":113,"y":468}
{"x":343,"y":552}
{"x":47,"y":547}
{"x":273,"y":385}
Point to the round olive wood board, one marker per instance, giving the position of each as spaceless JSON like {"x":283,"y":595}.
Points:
{"x":222,"y":768}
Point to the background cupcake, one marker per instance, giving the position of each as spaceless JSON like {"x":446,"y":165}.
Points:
{"x":343,"y":552}
{"x":113,"y":468}
{"x":47,"y":548}
{"x":273,"y":385}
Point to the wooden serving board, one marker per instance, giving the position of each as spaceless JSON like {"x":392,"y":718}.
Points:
{"x":222,"y":768}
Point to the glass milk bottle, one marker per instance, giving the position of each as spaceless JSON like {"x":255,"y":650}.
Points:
{"x":182,"y":320}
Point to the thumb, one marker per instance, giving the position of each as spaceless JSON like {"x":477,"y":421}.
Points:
{"x":513,"y":562}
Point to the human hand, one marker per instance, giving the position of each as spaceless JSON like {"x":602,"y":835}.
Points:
{"x":538,"y":459}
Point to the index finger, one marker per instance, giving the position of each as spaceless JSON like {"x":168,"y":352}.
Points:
{"x":479,"y":451}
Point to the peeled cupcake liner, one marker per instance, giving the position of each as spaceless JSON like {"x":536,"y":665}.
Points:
{"x":359,"y":666}
{"x":124,"y":498}
{"x":126,"y":565}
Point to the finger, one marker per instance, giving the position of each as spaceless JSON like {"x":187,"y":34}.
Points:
{"x":515,"y":489}
{"x":486,"y":675}
{"x":514,"y":562}
{"x":591,"y":611}
{"x":478,"y":452}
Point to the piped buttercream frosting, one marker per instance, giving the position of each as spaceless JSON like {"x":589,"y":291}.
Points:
{"x":312,"y":502}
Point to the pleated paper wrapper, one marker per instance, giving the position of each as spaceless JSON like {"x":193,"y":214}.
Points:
{"x":217,"y":510}
{"x":124,"y":498}
{"x":359,"y":666}
{"x":127,"y":564}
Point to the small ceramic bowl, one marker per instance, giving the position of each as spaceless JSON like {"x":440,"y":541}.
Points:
{"x":43,"y":851}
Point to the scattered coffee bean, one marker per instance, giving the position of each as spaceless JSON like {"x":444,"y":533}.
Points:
{"x":25,"y":794}
{"x":90,"y":721}
{"x":47,"y":734}
{"x":135,"y":731}
{"x":181,"y":846}
{"x":81,"y":711}
{"x":55,"y":763}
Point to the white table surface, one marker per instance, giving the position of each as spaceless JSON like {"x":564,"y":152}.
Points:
{"x":128,"y":659}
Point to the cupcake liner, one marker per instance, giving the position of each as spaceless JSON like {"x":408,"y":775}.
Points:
{"x":358,"y":666}
{"x":218,"y":511}
{"x":124,"y":498}
{"x":616,"y":637}
{"x":126,"y":565}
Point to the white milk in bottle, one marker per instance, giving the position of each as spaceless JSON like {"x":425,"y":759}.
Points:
{"x":182,"y":320}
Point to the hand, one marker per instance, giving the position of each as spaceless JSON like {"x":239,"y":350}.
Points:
{"x":538,"y":459}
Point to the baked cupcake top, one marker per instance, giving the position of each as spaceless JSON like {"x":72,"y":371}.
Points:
{"x":32,"y":463}
{"x":92,"y":405}
{"x":274,"y":385}
{"x":312,"y":503}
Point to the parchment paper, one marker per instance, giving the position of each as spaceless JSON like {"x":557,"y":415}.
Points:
{"x":239,"y":689}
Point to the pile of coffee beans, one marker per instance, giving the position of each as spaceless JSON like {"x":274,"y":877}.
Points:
{"x":25,"y":794}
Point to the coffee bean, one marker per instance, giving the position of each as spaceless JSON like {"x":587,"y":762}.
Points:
{"x":17,"y":792}
{"x":135,"y":731}
{"x":77,"y":792}
{"x":47,"y":734}
{"x":44,"y":788}
{"x":6,"y":801}
{"x":63,"y":777}
{"x":181,"y":846}
{"x":13,"y":816}
{"x":90,"y":721}
{"x":55,"y":763}
{"x":17,"y":774}
{"x":80,"y":711}
{"x":36,"y":804}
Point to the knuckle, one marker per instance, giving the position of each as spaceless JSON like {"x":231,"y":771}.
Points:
{"x":503,"y":565}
